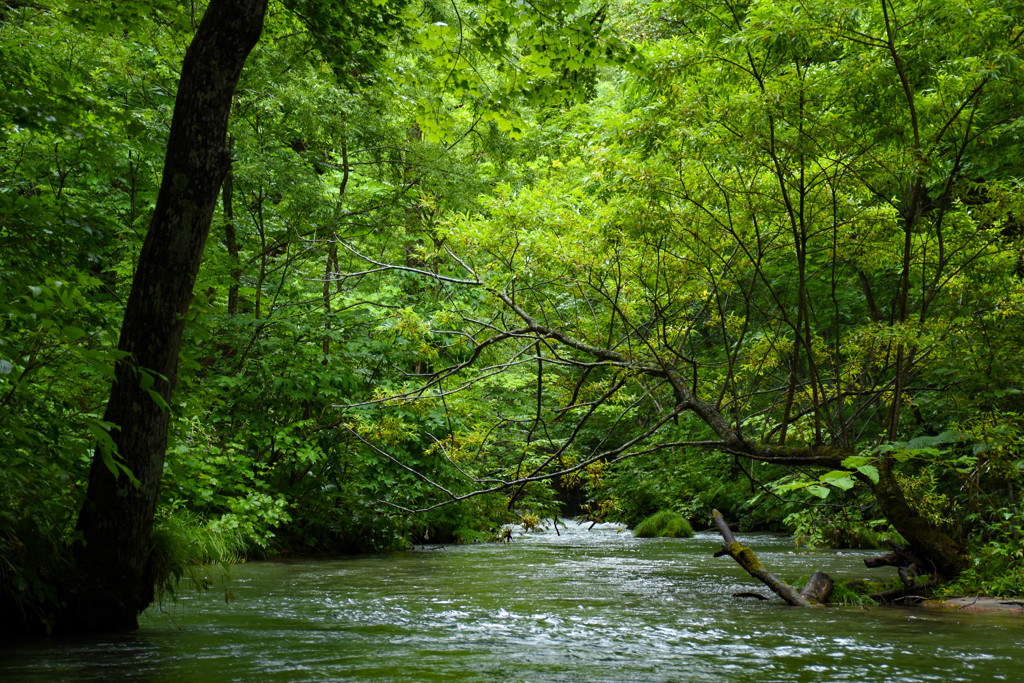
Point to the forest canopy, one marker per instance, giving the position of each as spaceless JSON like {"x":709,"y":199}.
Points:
{"x":469,"y":263}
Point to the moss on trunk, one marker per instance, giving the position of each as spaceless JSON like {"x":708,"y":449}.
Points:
{"x":942,"y":556}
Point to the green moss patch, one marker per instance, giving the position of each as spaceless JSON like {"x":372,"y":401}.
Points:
{"x":664,"y":524}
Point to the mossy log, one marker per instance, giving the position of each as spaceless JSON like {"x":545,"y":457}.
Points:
{"x":816,"y":592}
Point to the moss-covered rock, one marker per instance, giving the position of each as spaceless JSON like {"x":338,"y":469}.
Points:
{"x":664,"y":524}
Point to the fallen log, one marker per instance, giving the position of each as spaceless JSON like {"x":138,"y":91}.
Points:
{"x":899,"y":557}
{"x":889,"y":560}
{"x":907,"y":567}
{"x":749,"y":595}
{"x":818,"y":588}
{"x":816,"y":592}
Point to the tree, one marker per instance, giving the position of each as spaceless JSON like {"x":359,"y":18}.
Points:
{"x":764,"y":253}
{"x":112,"y":581}
{"x":114,"y":573}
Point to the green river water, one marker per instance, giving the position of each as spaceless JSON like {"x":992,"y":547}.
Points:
{"x":596,"y":605}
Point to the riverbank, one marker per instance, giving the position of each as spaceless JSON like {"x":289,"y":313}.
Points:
{"x":975,"y":603}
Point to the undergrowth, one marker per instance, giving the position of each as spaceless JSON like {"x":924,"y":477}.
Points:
{"x":185,"y":548}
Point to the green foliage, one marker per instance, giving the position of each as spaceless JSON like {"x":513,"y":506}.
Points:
{"x":998,"y":559}
{"x":840,"y":526}
{"x":185,"y":547}
{"x":786,"y":212}
{"x":854,"y":593}
{"x":33,"y":559}
{"x":664,"y":524}
{"x":693,"y":484}
{"x":352,"y":36}
{"x":735,"y":219}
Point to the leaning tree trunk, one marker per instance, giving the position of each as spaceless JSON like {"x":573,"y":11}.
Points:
{"x":816,"y":591}
{"x":113,"y":581}
{"x":941,"y":556}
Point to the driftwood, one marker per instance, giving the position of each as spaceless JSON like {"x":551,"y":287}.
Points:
{"x":889,"y":560}
{"x":818,"y":588}
{"x":908,"y":569}
{"x":899,"y":557}
{"x":816,"y":592}
{"x":749,"y":595}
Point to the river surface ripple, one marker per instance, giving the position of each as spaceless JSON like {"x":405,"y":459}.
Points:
{"x":586,"y":605}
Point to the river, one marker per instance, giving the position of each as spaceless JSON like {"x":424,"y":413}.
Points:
{"x":597,"y":605}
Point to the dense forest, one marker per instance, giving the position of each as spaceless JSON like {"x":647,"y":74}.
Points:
{"x":311,"y":276}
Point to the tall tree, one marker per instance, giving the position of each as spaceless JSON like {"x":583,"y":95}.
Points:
{"x":783,"y":182}
{"x":113,"y":581}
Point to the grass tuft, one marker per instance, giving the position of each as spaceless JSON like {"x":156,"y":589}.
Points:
{"x":664,"y":524}
{"x":184,"y":547}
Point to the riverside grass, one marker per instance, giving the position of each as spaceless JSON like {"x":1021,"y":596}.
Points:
{"x":185,"y":547}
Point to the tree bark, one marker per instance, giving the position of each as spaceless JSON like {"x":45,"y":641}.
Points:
{"x":113,"y":581}
{"x":939,"y":554}
{"x":818,"y":588}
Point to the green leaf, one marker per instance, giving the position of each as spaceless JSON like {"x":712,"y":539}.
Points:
{"x":869,"y":471}
{"x":792,"y":486}
{"x":105,"y":445}
{"x":157,"y":398}
{"x":72,"y":333}
{"x":861,"y":464}
{"x":819,"y":491}
{"x":841,"y":480}
{"x":855,"y":461}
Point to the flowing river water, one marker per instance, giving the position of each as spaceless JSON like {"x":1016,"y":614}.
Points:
{"x":586,"y":605}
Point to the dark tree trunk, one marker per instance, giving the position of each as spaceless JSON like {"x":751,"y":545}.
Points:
{"x":113,"y":581}
{"x":940,"y":555}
